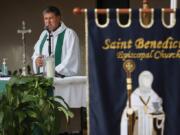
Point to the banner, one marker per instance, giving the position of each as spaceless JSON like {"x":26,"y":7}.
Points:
{"x":155,"y":48}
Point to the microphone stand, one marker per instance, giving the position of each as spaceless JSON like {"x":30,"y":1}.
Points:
{"x":49,"y":41}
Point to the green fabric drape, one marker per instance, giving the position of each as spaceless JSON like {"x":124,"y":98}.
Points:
{"x":58,"y":50}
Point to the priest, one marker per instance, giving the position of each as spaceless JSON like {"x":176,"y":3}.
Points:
{"x":146,"y":104}
{"x":64,"y":45}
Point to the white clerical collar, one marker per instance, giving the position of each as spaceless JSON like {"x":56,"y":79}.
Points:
{"x":61,"y":28}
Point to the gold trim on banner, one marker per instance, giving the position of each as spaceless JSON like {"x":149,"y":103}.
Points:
{"x":87,"y":70}
{"x":129,"y":19}
{"x":107,"y":19}
{"x":172,"y":23}
{"x":78,"y":11}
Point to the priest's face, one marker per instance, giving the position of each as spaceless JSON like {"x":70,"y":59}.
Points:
{"x":51,"y":20}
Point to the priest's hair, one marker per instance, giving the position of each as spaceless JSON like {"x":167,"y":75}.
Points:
{"x":52,"y":9}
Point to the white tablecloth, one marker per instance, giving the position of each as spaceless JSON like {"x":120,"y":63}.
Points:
{"x":72,"y":89}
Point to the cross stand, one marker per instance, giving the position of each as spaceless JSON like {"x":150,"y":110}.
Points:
{"x":23,"y":31}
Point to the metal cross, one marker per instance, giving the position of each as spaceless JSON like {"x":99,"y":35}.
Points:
{"x":23,"y":31}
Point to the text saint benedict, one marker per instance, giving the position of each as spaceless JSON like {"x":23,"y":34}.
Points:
{"x":168,"y":43}
{"x":141,"y":43}
{"x":117,"y":44}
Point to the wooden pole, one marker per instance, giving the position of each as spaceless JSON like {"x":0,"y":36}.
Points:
{"x":173,"y":6}
{"x":146,"y":17}
{"x":78,"y":11}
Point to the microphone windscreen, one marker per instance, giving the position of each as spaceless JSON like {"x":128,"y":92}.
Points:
{"x":46,"y":28}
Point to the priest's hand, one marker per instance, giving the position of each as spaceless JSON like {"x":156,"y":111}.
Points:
{"x":39,"y":61}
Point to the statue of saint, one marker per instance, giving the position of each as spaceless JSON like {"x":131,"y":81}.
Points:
{"x":146,"y":104}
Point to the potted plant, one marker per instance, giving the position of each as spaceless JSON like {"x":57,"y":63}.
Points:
{"x":28,"y":107}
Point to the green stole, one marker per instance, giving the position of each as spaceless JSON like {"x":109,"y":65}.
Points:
{"x":58,"y":49}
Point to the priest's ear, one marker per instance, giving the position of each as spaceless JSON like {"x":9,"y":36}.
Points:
{"x":59,"y":18}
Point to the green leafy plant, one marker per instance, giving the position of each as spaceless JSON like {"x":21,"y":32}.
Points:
{"x":28,"y":107}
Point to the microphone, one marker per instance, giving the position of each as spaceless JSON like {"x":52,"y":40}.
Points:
{"x":47,"y":28}
{"x":49,"y":38}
